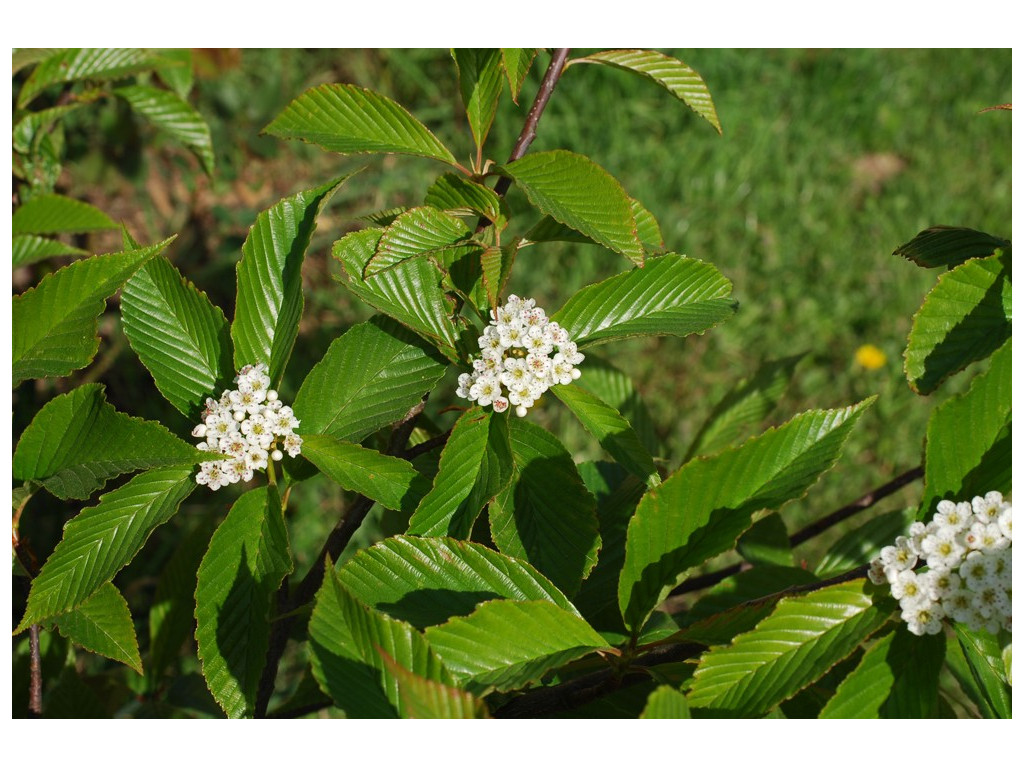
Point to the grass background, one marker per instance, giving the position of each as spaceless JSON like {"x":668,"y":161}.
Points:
{"x":829,"y":160}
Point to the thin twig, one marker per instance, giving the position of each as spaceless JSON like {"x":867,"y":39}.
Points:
{"x":35,"y":693}
{"x":869,"y":499}
{"x":426,"y":446}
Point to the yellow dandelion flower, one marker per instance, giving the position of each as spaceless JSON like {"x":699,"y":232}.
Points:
{"x":869,"y":356}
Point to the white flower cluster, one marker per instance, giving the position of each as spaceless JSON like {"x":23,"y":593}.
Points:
{"x":250,"y":425}
{"x":522,"y":351}
{"x":968,"y":549}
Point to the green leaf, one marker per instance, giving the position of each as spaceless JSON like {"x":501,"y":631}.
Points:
{"x":172,"y":611}
{"x":103,"y":539}
{"x":457,"y":194}
{"x":421,"y":698}
{"x":23,"y":57}
{"x":426,"y":581}
{"x":766,"y":542}
{"x":269,"y":299}
{"x":577,"y":192}
{"x":966,"y":317}
{"x":78,"y":441}
{"x":338,"y":667}
{"x":862,"y":545}
{"x":476,"y":464}
{"x":370,"y":377}
{"x":28,"y":249}
{"x":546,"y":516}
{"x":966,"y":433}
{"x":416,"y":232}
{"x":607,"y":382}
{"x":410,"y":292}
{"x":797,"y":644}
{"x":516,"y":63}
{"x":984,"y":659}
{"x":949,"y":246}
{"x":549,"y":230}
{"x":54,"y":214}
{"x":671,"y":74}
{"x":236,"y":584}
{"x":700,"y":510}
{"x":103,"y":625}
{"x":179,"y":335}
{"x":665,"y":702}
{"x":671,"y":295}
{"x":496,"y":268}
{"x":611,"y":430}
{"x":386,"y":479}
{"x":34,"y":128}
{"x":348,"y":119}
{"x":54,"y":323}
{"x":76,"y":64}
{"x":371,"y":637}
{"x":480,"y":75}
{"x":178,"y":73}
{"x":507,"y":644}
{"x":744,"y":407}
{"x":617,"y":493}
{"x":898,"y":677}
{"x":171,"y":114}
{"x":738,"y":603}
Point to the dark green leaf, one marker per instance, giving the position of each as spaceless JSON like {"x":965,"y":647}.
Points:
{"x":967,"y":432}
{"x":898,"y":677}
{"x":236,"y":585}
{"x":426,"y":581}
{"x":177,"y":72}
{"x":416,"y":232}
{"x":386,"y":479}
{"x":546,"y":516}
{"x":103,"y":539}
{"x":476,"y":464}
{"x":797,"y":644}
{"x":966,"y":317}
{"x":506,"y":644}
{"x":75,"y":64}
{"x":671,"y":295}
{"x":53,"y":214}
{"x":548,"y":230}
{"x":766,"y":542}
{"x":457,"y":194}
{"x":269,"y":299}
{"x":179,"y":335}
{"x":744,"y":407}
{"x":28,"y":249}
{"x":863,"y":544}
{"x":577,"y":192}
{"x":616,"y":388}
{"x":54,"y":324}
{"x":516,"y":63}
{"x":700,"y":510}
{"x":480,"y":74}
{"x":949,"y":246}
{"x":348,"y":119}
{"x":77,"y":442}
{"x":370,"y":377}
{"x":170,"y":113}
{"x":103,"y":625}
{"x":671,"y":74}
{"x":984,"y":659}
{"x":496,"y":267}
{"x":410,"y":292}
{"x":666,"y":702}
{"x":611,"y":430}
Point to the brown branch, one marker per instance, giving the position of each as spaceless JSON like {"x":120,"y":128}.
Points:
{"x":869,"y":499}
{"x":35,"y":693}
{"x":426,"y":446}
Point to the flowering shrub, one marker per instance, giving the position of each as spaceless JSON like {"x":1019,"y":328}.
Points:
{"x":511,"y":579}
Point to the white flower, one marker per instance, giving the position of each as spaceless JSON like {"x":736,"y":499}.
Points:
{"x":924,"y":619}
{"x":250,"y":425}
{"x":522,"y":355}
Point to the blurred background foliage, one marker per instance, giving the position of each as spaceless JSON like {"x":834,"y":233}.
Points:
{"x":829,"y":160}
